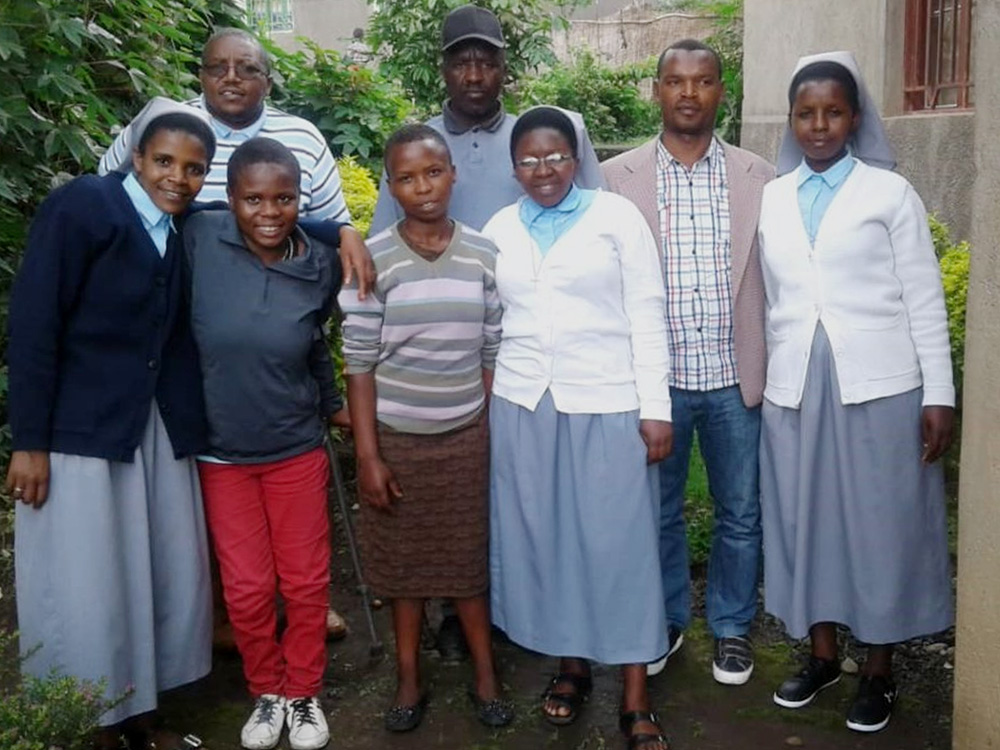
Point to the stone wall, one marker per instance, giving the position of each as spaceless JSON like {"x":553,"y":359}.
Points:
{"x":629,"y":36}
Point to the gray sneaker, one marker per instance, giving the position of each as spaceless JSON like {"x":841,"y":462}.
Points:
{"x":733,"y":662}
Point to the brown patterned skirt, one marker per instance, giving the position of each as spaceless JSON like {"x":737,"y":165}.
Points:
{"x":434,"y":541}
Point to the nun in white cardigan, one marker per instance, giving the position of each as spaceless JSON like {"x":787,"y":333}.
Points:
{"x":859,"y":398}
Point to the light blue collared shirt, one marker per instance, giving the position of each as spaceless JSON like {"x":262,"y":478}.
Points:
{"x":224,"y":132}
{"x":156,"y":223}
{"x":816,"y":191}
{"x":546,"y":225}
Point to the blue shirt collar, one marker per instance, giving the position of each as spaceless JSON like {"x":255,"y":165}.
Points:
{"x":227,"y":132}
{"x":833,"y":176}
{"x":530,"y":210}
{"x":148,"y":211}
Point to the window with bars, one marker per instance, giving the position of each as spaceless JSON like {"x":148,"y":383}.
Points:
{"x":937,"y":52}
{"x":271,"y":15}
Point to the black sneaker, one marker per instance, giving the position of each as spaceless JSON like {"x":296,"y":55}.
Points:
{"x":675,"y":639}
{"x":733,"y":662}
{"x":872,"y":707}
{"x":450,"y":642}
{"x":800,"y":690}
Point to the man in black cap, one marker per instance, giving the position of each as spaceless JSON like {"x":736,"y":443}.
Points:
{"x":476,"y":127}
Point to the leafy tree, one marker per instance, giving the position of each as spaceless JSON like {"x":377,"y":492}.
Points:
{"x":608,"y":98}
{"x":355,"y":108}
{"x":407,"y":36}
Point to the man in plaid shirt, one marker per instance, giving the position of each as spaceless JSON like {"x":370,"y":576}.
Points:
{"x":701,"y":198}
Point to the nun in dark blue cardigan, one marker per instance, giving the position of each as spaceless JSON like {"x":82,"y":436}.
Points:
{"x":106,"y":411}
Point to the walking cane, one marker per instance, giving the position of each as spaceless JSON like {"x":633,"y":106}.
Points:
{"x":376,"y":649}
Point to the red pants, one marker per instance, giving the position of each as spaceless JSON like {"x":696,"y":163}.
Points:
{"x":271,"y":532}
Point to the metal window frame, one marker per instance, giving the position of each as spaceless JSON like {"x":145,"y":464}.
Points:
{"x":271,"y":15}
{"x":932,"y":65}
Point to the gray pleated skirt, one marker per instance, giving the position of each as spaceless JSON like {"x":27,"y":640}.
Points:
{"x":854,"y":524}
{"x":112,"y":574}
{"x":574,"y":513}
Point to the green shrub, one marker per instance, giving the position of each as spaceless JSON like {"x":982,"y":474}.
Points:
{"x":360,"y":192}
{"x":954,"y":262}
{"x":953,"y":259}
{"x":608,"y":98}
{"x":57,"y":712}
{"x":354,"y":107}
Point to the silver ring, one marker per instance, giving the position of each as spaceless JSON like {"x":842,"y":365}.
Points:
{"x":18,"y":491}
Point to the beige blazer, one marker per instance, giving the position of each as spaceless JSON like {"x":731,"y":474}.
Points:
{"x":633,"y":175}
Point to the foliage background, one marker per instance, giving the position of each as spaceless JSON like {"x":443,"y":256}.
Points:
{"x":608,"y":98}
{"x":354,"y":107}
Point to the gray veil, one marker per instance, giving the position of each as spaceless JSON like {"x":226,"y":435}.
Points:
{"x":869,"y":144}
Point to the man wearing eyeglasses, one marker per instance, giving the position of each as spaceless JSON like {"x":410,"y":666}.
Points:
{"x":476,"y":127}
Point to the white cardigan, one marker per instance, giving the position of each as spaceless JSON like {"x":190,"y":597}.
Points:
{"x":586,"y":322}
{"x":871,"y":279}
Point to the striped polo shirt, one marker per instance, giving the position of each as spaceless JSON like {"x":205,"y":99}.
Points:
{"x":321,"y":195}
{"x":427,"y":330}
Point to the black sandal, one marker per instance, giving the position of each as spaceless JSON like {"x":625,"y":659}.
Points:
{"x":405,"y":718}
{"x":582,"y":684}
{"x":628,"y":719}
{"x":494,"y":713}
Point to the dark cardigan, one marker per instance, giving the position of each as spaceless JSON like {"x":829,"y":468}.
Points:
{"x":99,"y":328}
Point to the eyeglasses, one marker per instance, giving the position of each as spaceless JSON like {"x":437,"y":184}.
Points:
{"x":244,"y":71}
{"x":552,"y":161}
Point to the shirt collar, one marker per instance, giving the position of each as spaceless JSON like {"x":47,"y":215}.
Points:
{"x":832,"y":176}
{"x":531,"y":211}
{"x":712,"y":153}
{"x":452,"y":124}
{"x":228,"y":132}
{"x":151,"y":215}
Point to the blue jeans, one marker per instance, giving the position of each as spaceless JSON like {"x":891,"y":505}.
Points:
{"x":728,"y":435}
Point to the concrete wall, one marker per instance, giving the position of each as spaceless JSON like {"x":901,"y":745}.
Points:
{"x":329,"y":23}
{"x":977,"y":665}
{"x":933,"y":149}
{"x":629,"y":36}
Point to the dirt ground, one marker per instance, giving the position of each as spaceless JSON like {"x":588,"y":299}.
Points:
{"x":696,"y":712}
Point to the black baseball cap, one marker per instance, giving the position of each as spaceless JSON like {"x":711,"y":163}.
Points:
{"x":471,"y":22}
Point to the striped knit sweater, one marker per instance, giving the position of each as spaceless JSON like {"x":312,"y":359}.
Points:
{"x":321,"y":198}
{"x":427,"y":331}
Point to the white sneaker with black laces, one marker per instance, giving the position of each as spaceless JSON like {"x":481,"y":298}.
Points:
{"x":307,"y":728}
{"x":263,"y":729}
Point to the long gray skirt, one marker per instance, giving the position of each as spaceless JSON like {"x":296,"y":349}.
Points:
{"x":112,"y":574}
{"x":574,"y":509}
{"x":854,"y":523}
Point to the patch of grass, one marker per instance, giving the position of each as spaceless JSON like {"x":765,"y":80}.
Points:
{"x":698,"y":511}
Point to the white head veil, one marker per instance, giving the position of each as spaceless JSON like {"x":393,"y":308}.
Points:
{"x":869,"y":143}
{"x":158,"y":105}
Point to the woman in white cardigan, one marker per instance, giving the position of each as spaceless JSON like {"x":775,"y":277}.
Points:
{"x":579,"y":417}
{"x":859,"y":397}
